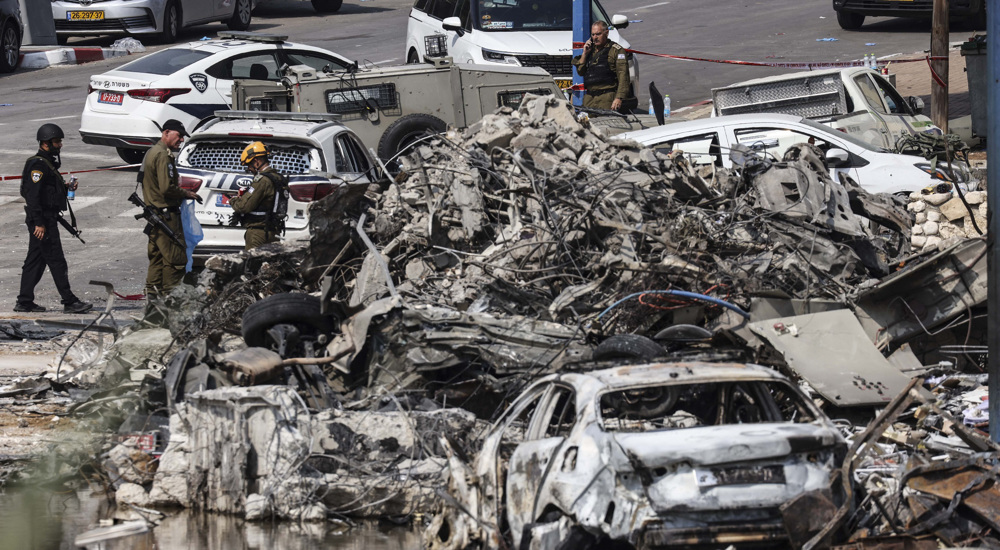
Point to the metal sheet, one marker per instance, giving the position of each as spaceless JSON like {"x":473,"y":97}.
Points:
{"x":833,"y":354}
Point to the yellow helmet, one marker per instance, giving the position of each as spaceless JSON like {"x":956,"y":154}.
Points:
{"x":252,"y":151}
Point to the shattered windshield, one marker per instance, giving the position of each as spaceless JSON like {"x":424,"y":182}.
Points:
{"x":707,"y":404}
{"x":530,"y":15}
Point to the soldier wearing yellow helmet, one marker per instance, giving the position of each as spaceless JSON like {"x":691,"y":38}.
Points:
{"x":262,"y":206}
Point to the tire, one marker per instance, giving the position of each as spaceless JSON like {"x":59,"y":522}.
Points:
{"x":240,"y":20}
{"x":301,"y":310}
{"x":131,"y":156}
{"x":171,"y":24}
{"x":412,"y":58}
{"x":406,"y":130}
{"x":849,"y":20}
{"x":10,"y":49}
{"x":327,"y":6}
{"x":628,"y":346}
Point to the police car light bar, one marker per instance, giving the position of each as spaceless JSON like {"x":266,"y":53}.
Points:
{"x":276,"y":115}
{"x":253,"y":36}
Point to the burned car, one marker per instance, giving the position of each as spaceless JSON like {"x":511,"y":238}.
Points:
{"x":654,"y":455}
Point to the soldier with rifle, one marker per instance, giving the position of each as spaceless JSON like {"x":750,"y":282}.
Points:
{"x":44,"y":191}
{"x":167,"y":251}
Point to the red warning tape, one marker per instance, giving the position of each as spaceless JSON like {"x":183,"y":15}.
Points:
{"x":122,"y":167}
{"x":781,"y":65}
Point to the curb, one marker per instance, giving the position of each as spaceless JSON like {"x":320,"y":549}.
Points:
{"x":39,"y":59}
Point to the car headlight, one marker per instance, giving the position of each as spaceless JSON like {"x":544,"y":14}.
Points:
{"x":498,"y":57}
{"x":943,"y":174}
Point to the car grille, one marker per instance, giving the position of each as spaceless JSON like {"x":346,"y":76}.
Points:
{"x":555,"y":65}
{"x":225,"y":157}
{"x":123,"y":24}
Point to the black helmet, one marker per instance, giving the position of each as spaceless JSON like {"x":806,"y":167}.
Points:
{"x":49,"y":131}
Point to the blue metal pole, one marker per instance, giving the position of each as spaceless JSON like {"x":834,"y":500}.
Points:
{"x":993,"y":204}
{"x":581,"y":33}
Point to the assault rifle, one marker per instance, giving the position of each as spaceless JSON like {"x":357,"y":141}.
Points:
{"x":152,"y":216}
{"x":70,"y":227}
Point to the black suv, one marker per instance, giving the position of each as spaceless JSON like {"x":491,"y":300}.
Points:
{"x":11,"y":31}
{"x":851,"y":13}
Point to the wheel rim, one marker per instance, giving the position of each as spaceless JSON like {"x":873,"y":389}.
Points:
{"x":244,"y":11}
{"x":172,"y":21}
{"x":10,"y":46}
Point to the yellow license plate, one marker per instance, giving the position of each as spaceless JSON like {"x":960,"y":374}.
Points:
{"x":84,"y":15}
{"x":564,"y":83}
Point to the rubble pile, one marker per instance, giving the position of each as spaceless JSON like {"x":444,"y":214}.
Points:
{"x":941,"y":218}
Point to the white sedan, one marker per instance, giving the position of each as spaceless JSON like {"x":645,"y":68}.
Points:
{"x":708,"y":141}
{"x":162,"y":19}
{"x":187,"y":82}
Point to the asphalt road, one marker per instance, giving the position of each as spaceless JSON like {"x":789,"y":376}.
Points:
{"x":373,"y":31}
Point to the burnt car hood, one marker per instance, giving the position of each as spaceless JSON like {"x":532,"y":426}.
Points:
{"x":712,"y":445}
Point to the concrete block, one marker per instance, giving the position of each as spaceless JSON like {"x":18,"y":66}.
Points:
{"x":954,"y":209}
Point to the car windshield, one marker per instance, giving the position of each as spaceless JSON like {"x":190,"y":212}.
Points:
{"x":530,"y":15}
{"x":165,"y":62}
{"x":224,"y":156}
{"x":670,"y":407}
{"x":841,"y":135}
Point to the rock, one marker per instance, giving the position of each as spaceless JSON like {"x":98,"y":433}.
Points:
{"x":975,"y":197}
{"x":920,"y":218}
{"x":916,"y":196}
{"x":933,"y":215}
{"x":937,"y":199}
{"x":131,"y":493}
{"x":954,"y":209}
{"x":918,"y":229}
{"x":918,"y":241}
{"x":916,"y":207}
{"x":930,"y":228}
{"x":933,"y":242}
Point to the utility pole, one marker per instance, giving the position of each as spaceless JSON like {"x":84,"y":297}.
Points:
{"x":993,"y":223}
{"x":581,"y":33}
{"x":939,"y":65}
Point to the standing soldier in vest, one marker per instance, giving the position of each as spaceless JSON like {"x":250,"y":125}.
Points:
{"x":604,"y":68}
{"x":44,"y":191}
{"x":167,"y":257}
{"x":261,"y":207}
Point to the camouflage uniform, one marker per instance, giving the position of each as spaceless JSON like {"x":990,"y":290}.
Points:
{"x":167,"y":258}
{"x":605,"y":76}
{"x":255,"y":206}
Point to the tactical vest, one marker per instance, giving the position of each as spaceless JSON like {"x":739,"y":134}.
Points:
{"x":598,"y":70}
{"x":275,"y":218}
{"x":53,"y":195}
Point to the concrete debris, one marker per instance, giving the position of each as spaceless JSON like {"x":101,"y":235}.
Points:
{"x":669,"y":343}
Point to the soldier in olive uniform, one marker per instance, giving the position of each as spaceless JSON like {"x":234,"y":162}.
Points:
{"x":604,"y":68}
{"x":44,"y":191}
{"x":167,"y":257}
{"x":261,"y":206}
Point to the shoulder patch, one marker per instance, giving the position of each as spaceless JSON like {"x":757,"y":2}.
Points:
{"x":36,"y":176}
{"x":621,"y":56}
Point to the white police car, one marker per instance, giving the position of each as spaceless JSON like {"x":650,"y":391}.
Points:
{"x":187,"y":82}
{"x":315,"y":151}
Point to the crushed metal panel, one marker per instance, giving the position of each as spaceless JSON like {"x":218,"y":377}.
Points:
{"x":831,"y":352}
{"x":926,"y":295}
{"x":976,"y":483}
{"x":905,"y":360}
{"x":763,"y":308}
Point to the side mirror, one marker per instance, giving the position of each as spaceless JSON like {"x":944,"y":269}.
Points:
{"x":453,"y":24}
{"x":916,"y":104}
{"x":619,"y":21}
{"x":838,"y":158}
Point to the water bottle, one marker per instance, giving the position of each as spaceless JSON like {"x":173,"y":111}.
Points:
{"x":666,"y":105}
{"x":71,"y":193}
{"x":867,"y":63}
{"x":872,"y":63}
{"x":651,"y":106}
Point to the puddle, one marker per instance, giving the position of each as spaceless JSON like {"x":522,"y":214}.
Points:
{"x":36,"y":519}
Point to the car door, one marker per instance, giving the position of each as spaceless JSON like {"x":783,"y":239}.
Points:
{"x":197,"y":10}
{"x":536,"y":458}
{"x":350,"y":161}
{"x":774,"y":141}
{"x":877,"y":109}
{"x":256,"y":66}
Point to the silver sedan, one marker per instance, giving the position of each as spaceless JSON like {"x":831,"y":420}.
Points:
{"x":161,"y":18}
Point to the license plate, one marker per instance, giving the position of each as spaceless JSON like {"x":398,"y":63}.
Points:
{"x":84,"y":15}
{"x":740,"y":476}
{"x":564,"y":83}
{"x":110,"y":97}
{"x":222,"y":200}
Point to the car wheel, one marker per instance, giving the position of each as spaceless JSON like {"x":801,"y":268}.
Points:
{"x":402,"y":133}
{"x":241,"y":16}
{"x":10,"y":49}
{"x":294,"y":308}
{"x":171,"y":24}
{"x":413,"y":57}
{"x":849,"y":20}
{"x":327,"y":6}
{"x":131,"y":156}
{"x":628,"y":346}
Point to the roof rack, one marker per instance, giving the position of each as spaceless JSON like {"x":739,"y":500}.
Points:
{"x":253,"y":36}
{"x":277,"y":115}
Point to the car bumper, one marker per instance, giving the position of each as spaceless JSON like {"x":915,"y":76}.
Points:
{"x":134,"y":130}
{"x":914,"y":8}
{"x":126,"y":142}
{"x":118,"y":18}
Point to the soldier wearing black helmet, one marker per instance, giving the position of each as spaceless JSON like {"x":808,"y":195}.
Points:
{"x":160,"y":189}
{"x":262,"y":206}
{"x":44,"y":191}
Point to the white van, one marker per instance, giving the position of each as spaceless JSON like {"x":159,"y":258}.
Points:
{"x":528,"y":33}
